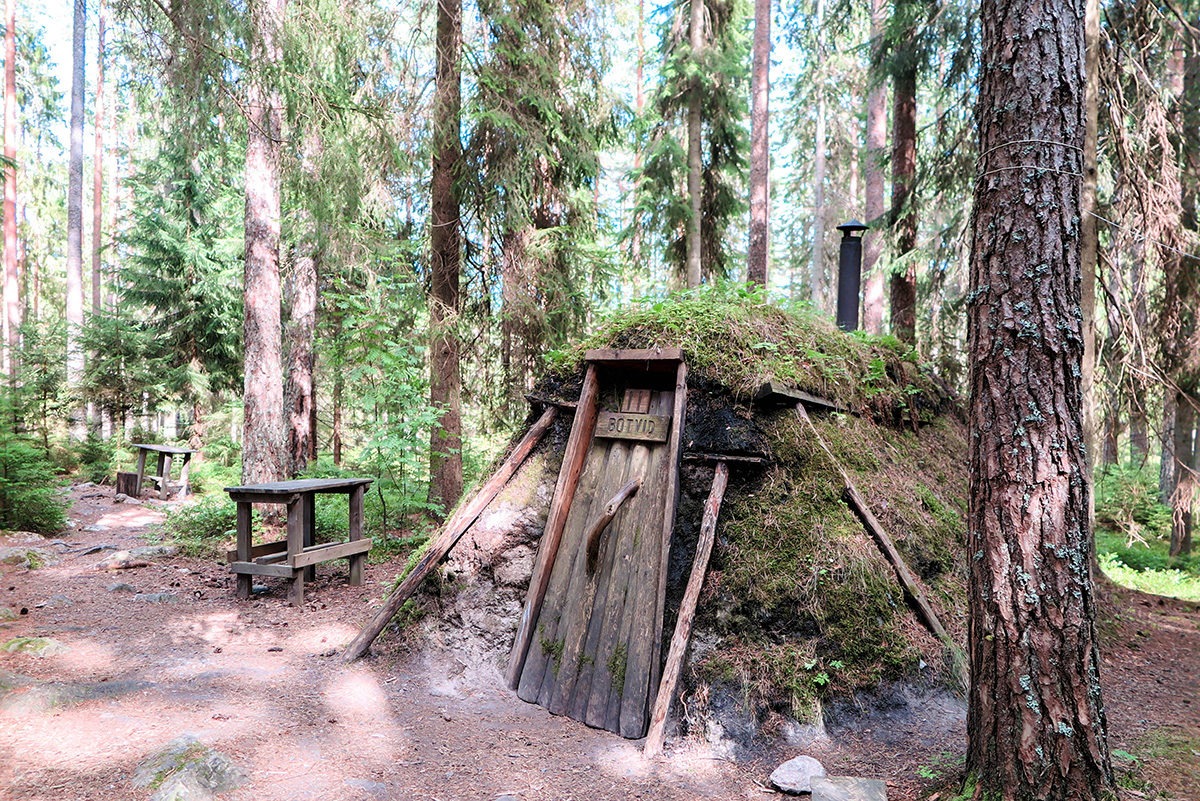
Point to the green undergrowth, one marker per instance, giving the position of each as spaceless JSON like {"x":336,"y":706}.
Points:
{"x":731,"y":335}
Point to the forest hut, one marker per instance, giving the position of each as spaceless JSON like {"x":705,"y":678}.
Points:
{"x":578,"y":568}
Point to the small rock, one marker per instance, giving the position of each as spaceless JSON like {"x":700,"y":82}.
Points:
{"x":28,"y":558}
{"x":371,"y":788}
{"x":795,"y":776}
{"x":259,"y":589}
{"x":121,"y":560}
{"x":98,"y":549}
{"x":85,"y":485}
{"x":275,"y":648}
{"x":847,"y":788}
{"x":95,"y":527}
{"x":38,"y":646}
{"x":120,"y":497}
{"x":188,"y":770}
{"x":157,"y":597}
{"x":58,"y":601}
{"x":506,"y":797}
{"x":7,"y":614}
{"x":121,"y":586}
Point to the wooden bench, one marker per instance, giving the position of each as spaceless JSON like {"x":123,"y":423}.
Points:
{"x":295,"y":557}
{"x":165,"y":454}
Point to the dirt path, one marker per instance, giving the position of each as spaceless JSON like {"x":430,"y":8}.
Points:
{"x":261,"y":682}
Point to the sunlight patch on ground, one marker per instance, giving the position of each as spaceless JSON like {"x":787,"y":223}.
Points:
{"x":357,"y":695}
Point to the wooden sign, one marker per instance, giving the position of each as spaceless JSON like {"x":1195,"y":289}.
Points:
{"x":630,"y":425}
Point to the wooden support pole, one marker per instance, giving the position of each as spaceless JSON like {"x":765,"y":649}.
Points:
{"x":578,"y":445}
{"x":450,"y":534}
{"x":687,"y":614}
{"x":858,"y":504}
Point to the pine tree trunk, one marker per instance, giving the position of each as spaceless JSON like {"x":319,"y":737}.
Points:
{"x":1035,"y":721}
{"x":339,"y":387}
{"x":515,"y":319}
{"x":760,"y":155}
{"x":98,"y":169}
{"x":75,"y":228}
{"x":263,"y":457}
{"x":1089,"y":244}
{"x":1183,"y":496}
{"x":874,"y":179}
{"x":694,"y":123}
{"x":903,"y":282}
{"x":445,"y":385}
{"x":301,"y":356}
{"x":12,"y":275}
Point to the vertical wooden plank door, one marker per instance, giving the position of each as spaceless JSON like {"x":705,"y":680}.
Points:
{"x":593,"y":652}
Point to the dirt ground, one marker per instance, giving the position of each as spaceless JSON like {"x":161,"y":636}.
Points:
{"x":262,"y":682}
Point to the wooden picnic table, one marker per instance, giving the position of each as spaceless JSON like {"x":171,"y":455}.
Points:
{"x":295,"y":557}
{"x":165,"y":455}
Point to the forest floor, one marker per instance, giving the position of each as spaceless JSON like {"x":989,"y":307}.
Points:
{"x":173,"y":653}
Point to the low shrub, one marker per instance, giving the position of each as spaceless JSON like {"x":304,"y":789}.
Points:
{"x":29,"y":500}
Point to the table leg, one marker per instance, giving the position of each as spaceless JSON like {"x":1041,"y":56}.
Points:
{"x":183,"y":476}
{"x":309,"y":499}
{"x":295,"y":544}
{"x":358,"y":560}
{"x":244,"y":582}
{"x":141,"y":473}
{"x":165,"y":472}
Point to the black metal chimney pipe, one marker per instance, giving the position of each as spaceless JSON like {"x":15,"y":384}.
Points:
{"x":849,"y":274}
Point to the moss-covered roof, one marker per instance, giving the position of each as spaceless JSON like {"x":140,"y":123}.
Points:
{"x":733,"y":336}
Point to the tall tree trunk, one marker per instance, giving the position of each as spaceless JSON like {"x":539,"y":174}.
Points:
{"x":516,"y":317}
{"x":1183,"y":497}
{"x":639,"y":105}
{"x":445,"y":385}
{"x":75,"y":228}
{"x":12,"y":275}
{"x":874,"y":179}
{"x":98,"y":169}
{"x":760,"y":154}
{"x":1139,"y":427}
{"x":1089,"y":243}
{"x":339,"y":387}
{"x":263,"y":455}
{"x":1035,"y":719}
{"x":694,"y":124}
{"x":816,"y":270}
{"x":301,"y":356}
{"x":903,"y":281}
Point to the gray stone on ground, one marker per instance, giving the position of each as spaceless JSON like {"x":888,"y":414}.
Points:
{"x":157,"y":597}
{"x":38,"y":646}
{"x":29,"y":558}
{"x":188,"y":770}
{"x":120,"y":586}
{"x":56,"y":601}
{"x":135,"y":557}
{"x":7,"y":614}
{"x":795,"y":775}
{"x":847,"y":788}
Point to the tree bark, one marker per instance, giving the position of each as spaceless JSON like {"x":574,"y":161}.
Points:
{"x":1183,"y":496}
{"x":760,"y":155}
{"x":1089,"y":244}
{"x":816,"y":274}
{"x":98,"y":169}
{"x":903,"y":281}
{"x":445,"y":385}
{"x":75,"y":227}
{"x":1035,"y":720}
{"x":301,"y":361}
{"x":263,"y":457}
{"x":874,"y":179}
{"x":12,"y":275}
{"x":694,"y":124}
